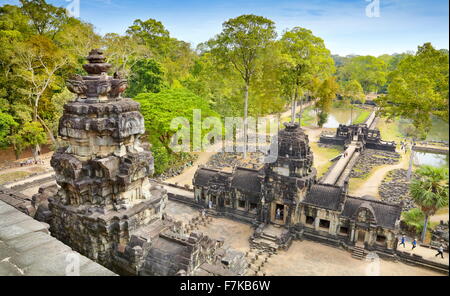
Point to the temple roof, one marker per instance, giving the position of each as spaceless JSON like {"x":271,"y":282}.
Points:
{"x":386,"y":214}
{"x":246,"y":180}
{"x":203,"y":175}
{"x":324,"y":196}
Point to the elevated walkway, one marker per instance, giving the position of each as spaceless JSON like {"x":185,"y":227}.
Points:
{"x":333,"y":176}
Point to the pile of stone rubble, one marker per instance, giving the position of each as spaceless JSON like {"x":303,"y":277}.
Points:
{"x":372,"y":158}
{"x":395,"y":189}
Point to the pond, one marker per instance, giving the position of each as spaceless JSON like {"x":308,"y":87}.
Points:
{"x":438,"y":132}
{"x":433,"y":159}
{"x":338,"y":116}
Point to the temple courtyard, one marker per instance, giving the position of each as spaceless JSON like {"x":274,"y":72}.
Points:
{"x":303,"y":258}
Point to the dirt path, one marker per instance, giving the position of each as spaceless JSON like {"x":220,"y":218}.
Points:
{"x":371,"y":185}
{"x":439,"y":218}
{"x":31,"y":179}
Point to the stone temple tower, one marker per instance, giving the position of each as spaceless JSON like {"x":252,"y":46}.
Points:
{"x":104,"y":191}
{"x":289,"y":178}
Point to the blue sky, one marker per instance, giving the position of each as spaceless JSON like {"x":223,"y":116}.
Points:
{"x":343,"y":24}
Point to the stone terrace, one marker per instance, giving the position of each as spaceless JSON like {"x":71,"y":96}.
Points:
{"x":27,"y":249}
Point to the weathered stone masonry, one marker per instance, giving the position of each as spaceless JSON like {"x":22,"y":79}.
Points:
{"x":105,"y":206}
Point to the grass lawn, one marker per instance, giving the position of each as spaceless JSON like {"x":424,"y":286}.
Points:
{"x":308,"y":118}
{"x":362,"y":117}
{"x":322,"y":157}
{"x":389,"y":130}
{"x":442,"y":211}
{"x":8,"y":177}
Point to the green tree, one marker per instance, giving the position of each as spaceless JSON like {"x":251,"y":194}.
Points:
{"x":30,"y":135}
{"x":7,"y":123}
{"x":159,"y":109}
{"x":327,"y":93}
{"x":418,"y":89}
{"x":352,"y":92}
{"x":38,"y":61}
{"x":152,"y":33}
{"x":241,"y":43}
{"x":306,"y":57}
{"x":45,"y":18}
{"x":414,"y":219}
{"x":369,"y":71}
{"x":147,"y":76}
{"x":124,"y":51}
{"x":429,"y":191}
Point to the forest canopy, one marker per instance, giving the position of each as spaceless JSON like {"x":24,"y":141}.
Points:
{"x":246,"y":69}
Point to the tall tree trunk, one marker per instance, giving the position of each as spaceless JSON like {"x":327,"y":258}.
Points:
{"x":293,"y":109}
{"x":245,"y":118}
{"x":411,"y":161}
{"x":35,"y":152}
{"x":49,"y":131}
{"x":425,"y":226}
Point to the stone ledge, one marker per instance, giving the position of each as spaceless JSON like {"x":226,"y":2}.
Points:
{"x":27,"y":249}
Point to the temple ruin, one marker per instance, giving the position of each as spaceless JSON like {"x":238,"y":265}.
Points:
{"x":285,"y":201}
{"x":106,"y":207}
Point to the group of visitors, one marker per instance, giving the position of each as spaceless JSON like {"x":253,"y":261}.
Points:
{"x":29,"y":162}
{"x":414,"y":245}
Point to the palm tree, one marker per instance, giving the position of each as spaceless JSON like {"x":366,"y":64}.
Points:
{"x":429,"y":191}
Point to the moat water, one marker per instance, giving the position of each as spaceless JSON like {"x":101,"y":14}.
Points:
{"x":338,"y":116}
{"x":433,"y":159}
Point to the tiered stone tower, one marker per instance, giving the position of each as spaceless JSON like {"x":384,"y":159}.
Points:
{"x":104,"y":193}
{"x":289,"y":178}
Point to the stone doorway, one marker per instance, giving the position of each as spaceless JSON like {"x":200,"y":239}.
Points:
{"x":360,"y":239}
{"x":279,"y":212}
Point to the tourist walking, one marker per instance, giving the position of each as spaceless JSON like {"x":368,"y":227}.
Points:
{"x":414,"y":244}
{"x":402,"y":241}
{"x":440,"y":252}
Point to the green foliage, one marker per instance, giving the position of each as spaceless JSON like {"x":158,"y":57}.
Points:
{"x":353,"y":91}
{"x":306,"y":56}
{"x":33,"y":134}
{"x":159,"y":109}
{"x":429,"y":191}
{"x":322,"y":118}
{"x":242,"y":41}
{"x":6,"y":124}
{"x":369,"y":71}
{"x":147,"y":76}
{"x":326,"y":93}
{"x":162,"y":159}
{"x":419,"y":89}
{"x":414,"y":219}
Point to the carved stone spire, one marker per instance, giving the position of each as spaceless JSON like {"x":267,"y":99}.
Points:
{"x":97,"y":86}
{"x":97,"y":63}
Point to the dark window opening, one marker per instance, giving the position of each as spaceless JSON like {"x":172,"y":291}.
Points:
{"x":279,"y":212}
{"x":343,"y":230}
{"x":227,"y":202}
{"x":381,"y":239}
{"x":253,"y":206}
{"x":324,"y":223}
{"x":241,"y":203}
{"x":309,"y":220}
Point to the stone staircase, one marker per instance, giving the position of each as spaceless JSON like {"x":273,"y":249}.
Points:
{"x":271,"y":238}
{"x":257,"y":259}
{"x":358,"y":252}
